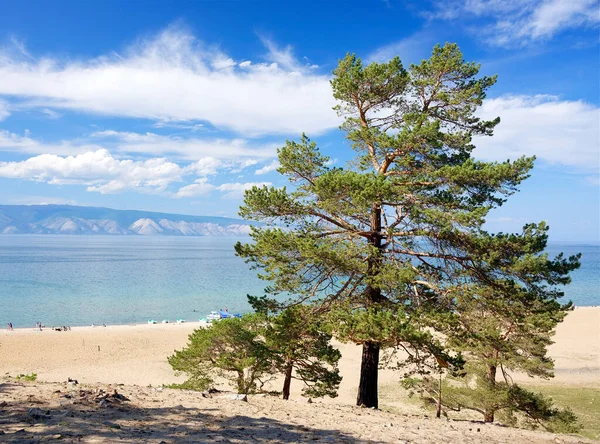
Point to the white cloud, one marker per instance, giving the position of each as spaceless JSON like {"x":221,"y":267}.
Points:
{"x":4,"y":111}
{"x":556,"y":131}
{"x":50,"y":113}
{"x":411,"y":49}
{"x":207,"y":166}
{"x":241,"y":151}
{"x":518,"y":22}
{"x":186,"y":148}
{"x":283,"y":57}
{"x":236,"y":190}
{"x":104,"y":173}
{"x":175,"y":78}
{"x":201,"y":187}
{"x":25,"y":144}
{"x":99,"y":170}
{"x":268,"y":168}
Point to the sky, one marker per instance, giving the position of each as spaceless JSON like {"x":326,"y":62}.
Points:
{"x":181,"y":106}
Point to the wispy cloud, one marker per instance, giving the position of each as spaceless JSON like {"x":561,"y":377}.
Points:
{"x":43,"y":200}
{"x":143,"y":144}
{"x":411,"y":49}
{"x":176,"y":78}
{"x":519,"y":22}
{"x":236,"y":190}
{"x":201,"y":187}
{"x":185,"y":148}
{"x":267,"y":168}
{"x":4,"y":110}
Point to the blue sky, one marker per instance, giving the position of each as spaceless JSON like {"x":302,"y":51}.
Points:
{"x":180,"y":106}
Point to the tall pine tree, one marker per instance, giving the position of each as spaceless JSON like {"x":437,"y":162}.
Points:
{"x":385,"y":243}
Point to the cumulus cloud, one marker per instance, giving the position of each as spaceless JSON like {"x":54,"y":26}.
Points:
{"x":556,"y":131}
{"x":518,"y":22}
{"x":176,"y":78}
{"x":104,"y":173}
{"x":267,"y":168}
{"x":99,"y":170}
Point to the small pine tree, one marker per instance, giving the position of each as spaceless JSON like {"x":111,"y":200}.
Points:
{"x":505,"y":323}
{"x":231,"y":348}
{"x":250,"y":351}
{"x":303,"y":350}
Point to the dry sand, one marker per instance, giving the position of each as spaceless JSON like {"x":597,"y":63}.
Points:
{"x":136,"y":355}
{"x":61,"y":413}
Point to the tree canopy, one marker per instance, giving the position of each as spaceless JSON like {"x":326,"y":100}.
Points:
{"x":388,"y":245}
{"x":252,"y":350}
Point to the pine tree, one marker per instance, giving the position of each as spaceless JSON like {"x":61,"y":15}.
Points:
{"x":506,"y":323}
{"x":230,"y":348}
{"x":302,"y":350}
{"x":384,"y":243}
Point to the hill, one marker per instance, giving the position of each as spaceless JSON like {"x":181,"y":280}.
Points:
{"x":69,"y":219}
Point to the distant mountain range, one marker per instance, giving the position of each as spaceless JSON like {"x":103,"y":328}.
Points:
{"x":68,"y":219}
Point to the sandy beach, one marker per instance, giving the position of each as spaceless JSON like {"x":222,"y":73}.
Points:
{"x":133,"y":359}
{"x":137,"y":354}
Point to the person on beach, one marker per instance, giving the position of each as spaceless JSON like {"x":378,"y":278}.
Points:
{"x":10,"y":326}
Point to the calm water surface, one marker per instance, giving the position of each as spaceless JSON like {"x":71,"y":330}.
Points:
{"x":80,"y":280}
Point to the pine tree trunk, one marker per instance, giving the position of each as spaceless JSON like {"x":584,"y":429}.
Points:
{"x":438,"y":411}
{"x":367,"y":389}
{"x":287,"y":381}
{"x":488,"y":416}
{"x":369,"y":367}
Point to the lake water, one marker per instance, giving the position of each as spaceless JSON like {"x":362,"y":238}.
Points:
{"x":80,"y":280}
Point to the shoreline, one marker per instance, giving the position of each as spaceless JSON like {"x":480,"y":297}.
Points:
{"x":159,"y":323}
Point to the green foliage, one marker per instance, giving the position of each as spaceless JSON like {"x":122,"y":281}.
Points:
{"x":391,"y":248}
{"x":232,"y":349}
{"x":299,"y":344}
{"x":251,"y":350}
{"x":538,"y":409}
{"x":511,"y":403}
{"x":29,"y":377}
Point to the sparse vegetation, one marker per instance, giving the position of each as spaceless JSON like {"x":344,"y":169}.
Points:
{"x":583,"y":401}
{"x":29,"y":377}
{"x":252,"y":350}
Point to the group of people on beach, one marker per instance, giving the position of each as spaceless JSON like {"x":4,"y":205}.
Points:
{"x":39,"y":326}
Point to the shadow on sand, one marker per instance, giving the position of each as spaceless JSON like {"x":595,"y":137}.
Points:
{"x":30,"y":420}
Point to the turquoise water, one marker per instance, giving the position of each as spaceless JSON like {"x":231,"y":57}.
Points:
{"x":80,"y":280}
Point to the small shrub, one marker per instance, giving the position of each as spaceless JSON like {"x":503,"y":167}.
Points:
{"x":31,"y":377}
